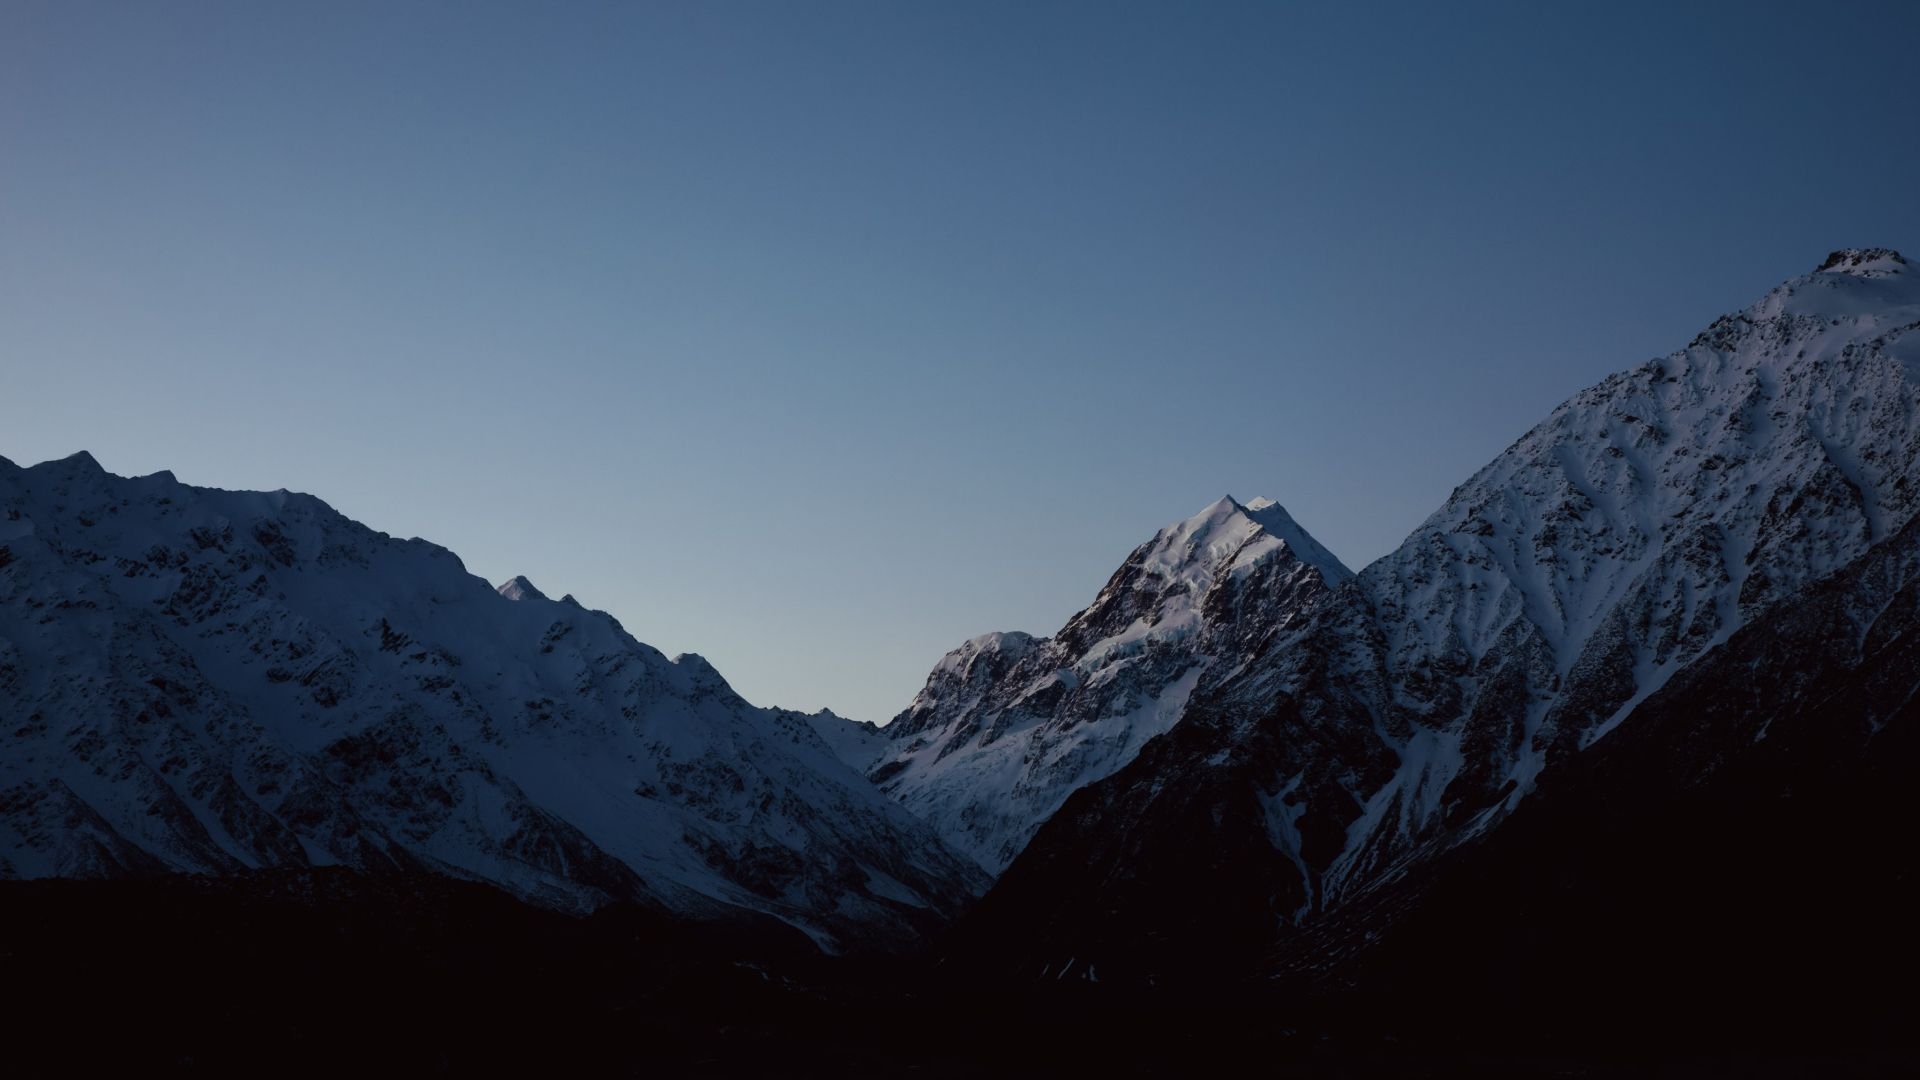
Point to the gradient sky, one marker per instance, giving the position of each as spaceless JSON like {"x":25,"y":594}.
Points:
{"x":819,"y":337}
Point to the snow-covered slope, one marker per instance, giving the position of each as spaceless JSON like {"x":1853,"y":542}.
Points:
{"x":859,"y":743}
{"x":1639,"y":525}
{"x":203,"y":680}
{"x":1009,"y":725}
{"x":1635,"y":529}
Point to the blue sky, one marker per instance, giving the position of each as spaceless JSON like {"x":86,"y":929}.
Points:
{"x":816,"y":338}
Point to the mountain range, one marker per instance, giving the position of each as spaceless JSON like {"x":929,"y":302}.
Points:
{"x":1344,"y":731}
{"x":1642,"y":687}
{"x":209,"y":681}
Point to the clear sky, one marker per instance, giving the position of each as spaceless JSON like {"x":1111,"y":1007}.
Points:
{"x":819,"y":337}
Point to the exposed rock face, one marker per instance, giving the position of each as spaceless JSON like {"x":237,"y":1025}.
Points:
{"x":1629,"y":535}
{"x":1009,"y":725}
{"x":201,"y":680}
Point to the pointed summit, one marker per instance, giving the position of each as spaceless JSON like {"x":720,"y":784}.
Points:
{"x":520,"y":589}
{"x":1008,"y":725}
{"x":78,"y":461}
{"x":1232,"y":535}
{"x":1274,"y":518}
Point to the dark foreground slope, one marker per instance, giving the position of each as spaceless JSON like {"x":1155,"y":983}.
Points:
{"x":323,"y":973}
{"x":323,"y":969}
{"x":331,"y":972}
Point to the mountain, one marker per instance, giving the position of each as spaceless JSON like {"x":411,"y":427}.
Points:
{"x":1728,"y":856}
{"x":212,"y":682}
{"x":1413,"y":710}
{"x":1009,"y":725}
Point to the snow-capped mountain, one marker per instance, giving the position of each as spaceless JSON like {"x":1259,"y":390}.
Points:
{"x":1632,"y":532}
{"x":206,"y":681}
{"x":1730,"y":852}
{"x":1009,"y":725}
{"x":1641,"y":524}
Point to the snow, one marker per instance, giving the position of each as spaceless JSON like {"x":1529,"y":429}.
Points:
{"x":1636,"y":528}
{"x":1009,"y":725}
{"x":1283,"y":814}
{"x":1864,"y":262}
{"x":1010,"y":643}
{"x":1274,"y":519}
{"x":857,"y":744}
{"x":519,"y":588}
{"x":196,"y":671}
{"x":209,"y":680}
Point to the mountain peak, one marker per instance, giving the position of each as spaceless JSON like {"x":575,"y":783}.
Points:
{"x":79,"y":461}
{"x":1273,"y":518}
{"x":1008,"y":726}
{"x":1863,"y":262}
{"x":1011,"y":644}
{"x":1230,"y":528}
{"x":519,"y":588}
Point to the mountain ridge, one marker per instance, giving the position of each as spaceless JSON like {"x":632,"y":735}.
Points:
{"x":1009,"y":724}
{"x":215,"y":680}
{"x":1412,"y":708}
